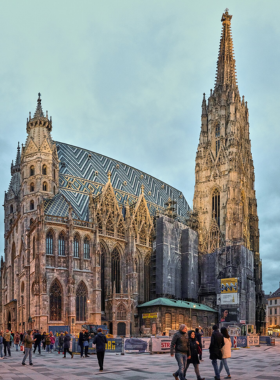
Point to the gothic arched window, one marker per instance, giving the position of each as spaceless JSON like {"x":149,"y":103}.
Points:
{"x":217,"y":131}
{"x":49,"y":243}
{"x":55,"y":301}
{"x":44,"y":170}
{"x":120,"y":230}
{"x":121,"y":313}
{"x":45,"y":186}
{"x":31,"y":187}
{"x":216,"y":206}
{"x":147,"y":277}
{"x":115,"y":270}
{"x":86,"y":248}
{"x":31,"y":204}
{"x":61,"y":244}
{"x":11,"y":209}
{"x":32,"y":170}
{"x":34,"y":247}
{"x":81,"y":302}
{"x":76,"y":246}
{"x":102,"y":264}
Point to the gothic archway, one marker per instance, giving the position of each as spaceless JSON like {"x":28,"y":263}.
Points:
{"x":81,"y":302}
{"x":56,"y":301}
{"x":115,"y":269}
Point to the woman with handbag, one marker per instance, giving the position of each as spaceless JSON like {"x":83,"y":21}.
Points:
{"x":226,"y":352}
{"x":195,"y":351}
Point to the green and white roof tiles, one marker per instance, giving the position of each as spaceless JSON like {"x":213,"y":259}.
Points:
{"x":177,"y":303}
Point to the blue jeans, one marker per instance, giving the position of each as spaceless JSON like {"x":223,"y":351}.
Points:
{"x":215,"y":366}
{"x":28,"y":351}
{"x":196,"y":370}
{"x":47,"y":348}
{"x":182,"y":360}
{"x":16,"y":346}
{"x":224,"y":363}
{"x":1,"y":350}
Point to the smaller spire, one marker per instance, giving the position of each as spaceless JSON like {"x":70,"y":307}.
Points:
{"x":142,"y":188}
{"x":204,"y":108}
{"x":18,"y":155}
{"x":39,"y":112}
{"x":109,"y":176}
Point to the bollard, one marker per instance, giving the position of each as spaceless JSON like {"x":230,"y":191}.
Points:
{"x":122,"y":346}
{"x":235,"y":343}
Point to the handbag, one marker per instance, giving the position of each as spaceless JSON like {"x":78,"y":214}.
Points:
{"x":199,"y":350}
{"x":21,"y":348}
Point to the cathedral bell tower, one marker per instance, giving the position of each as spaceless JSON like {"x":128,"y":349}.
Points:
{"x":224,"y":197}
{"x":39,"y":161}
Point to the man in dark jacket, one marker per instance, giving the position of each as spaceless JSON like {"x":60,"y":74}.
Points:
{"x":100,"y":340}
{"x":180,"y":343}
{"x":66,"y":345}
{"x":81,"y":342}
{"x":217,"y":342}
{"x":86,"y":342}
{"x":38,"y":340}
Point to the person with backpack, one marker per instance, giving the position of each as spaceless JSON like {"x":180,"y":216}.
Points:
{"x":7,"y":342}
{"x":66,"y":345}
{"x":17,"y":340}
{"x":28,"y":347}
{"x":100,"y":340}
{"x":226,"y":352}
{"x":215,"y":349}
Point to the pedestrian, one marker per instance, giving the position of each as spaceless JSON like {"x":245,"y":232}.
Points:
{"x":198,"y":336}
{"x":37,"y":343}
{"x":81,"y":342}
{"x":215,"y":349}
{"x":28,"y":347}
{"x":1,"y":345}
{"x":226,"y":352}
{"x":60,"y":342}
{"x":44,"y":340}
{"x":86,"y":342}
{"x":21,"y":338}
{"x":52,"y":341}
{"x":12,"y":339}
{"x":17,"y":340}
{"x":48,"y":343}
{"x":181,"y":345}
{"x":100,"y":340}
{"x":195,"y":348}
{"x":66,"y":345}
{"x":7,"y":342}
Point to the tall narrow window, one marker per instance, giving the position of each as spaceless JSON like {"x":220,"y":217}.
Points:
{"x":44,"y":170}
{"x":217,"y":131}
{"x":34,"y":247}
{"x":55,"y":301}
{"x":81,"y":302}
{"x":31,"y":204}
{"x":45,"y":186}
{"x":121,"y":313}
{"x":31,"y":187}
{"x":147,"y":277}
{"x":32,"y":170}
{"x":168,"y":321}
{"x":76,"y":246}
{"x":103,"y":295}
{"x":61,"y":245}
{"x":49,"y":243}
{"x":217,"y":147}
{"x":217,"y":135}
{"x":216,"y":206}
{"x":11,"y":209}
{"x":115,"y":270}
{"x":86,"y":248}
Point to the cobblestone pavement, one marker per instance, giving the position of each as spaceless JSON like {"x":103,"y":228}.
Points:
{"x":251,"y":363}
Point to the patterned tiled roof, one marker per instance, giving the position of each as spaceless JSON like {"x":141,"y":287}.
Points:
{"x":58,"y":206}
{"x":82,"y":171}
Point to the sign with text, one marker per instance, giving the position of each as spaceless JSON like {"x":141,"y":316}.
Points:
{"x":149,"y":315}
{"x":229,"y":285}
{"x":229,"y":298}
{"x":161,"y":344}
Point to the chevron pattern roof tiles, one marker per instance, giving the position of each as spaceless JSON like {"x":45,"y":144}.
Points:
{"x":82,"y":171}
{"x":58,"y":206}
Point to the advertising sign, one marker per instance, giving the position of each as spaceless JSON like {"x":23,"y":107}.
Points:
{"x":149,"y":315}
{"x":113,"y":345}
{"x":136,"y":345}
{"x":229,"y":285}
{"x":229,"y":299}
{"x":228,"y":315}
{"x":161,"y":344}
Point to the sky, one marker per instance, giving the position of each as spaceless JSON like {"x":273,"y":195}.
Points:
{"x":126,"y":78}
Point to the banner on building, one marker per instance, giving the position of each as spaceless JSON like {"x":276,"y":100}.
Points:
{"x":229,"y":285}
{"x":229,"y":299}
{"x":161,"y":344}
{"x":228,"y":315}
{"x":149,"y":315}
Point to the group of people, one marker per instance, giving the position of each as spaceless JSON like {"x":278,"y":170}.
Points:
{"x":187,"y":347}
{"x":33,"y":340}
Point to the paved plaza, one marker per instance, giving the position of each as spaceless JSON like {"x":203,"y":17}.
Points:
{"x":252,"y":363}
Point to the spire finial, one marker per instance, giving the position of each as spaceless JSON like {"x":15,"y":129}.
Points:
{"x":142,"y":188}
{"x":39,"y":112}
{"x":109,"y":176}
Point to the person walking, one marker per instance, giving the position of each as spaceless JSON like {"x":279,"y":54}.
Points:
{"x":21,"y":338}
{"x":44,"y":340}
{"x":37,"y":343}
{"x":28,"y":347}
{"x":195,"y":348}
{"x":60,"y":342}
{"x":86,"y":342}
{"x":215,"y":349}
{"x":7,"y":342}
{"x":181,"y":345}
{"x":1,"y":345}
{"x":52,"y":341}
{"x":226,"y":352}
{"x":81,"y":342}
{"x":17,"y":340}
{"x":48,"y":343}
{"x":66,"y":345}
{"x":100,"y":340}
{"x":198,"y":336}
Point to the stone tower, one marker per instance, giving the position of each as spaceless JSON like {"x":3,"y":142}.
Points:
{"x":224,"y":201}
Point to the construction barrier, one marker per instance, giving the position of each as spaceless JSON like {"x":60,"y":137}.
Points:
{"x":206,"y":343}
{"x":253,"y":340}
{"x":160,"y":344}
{"x":113,"y":345}
{"x":136,"y":345}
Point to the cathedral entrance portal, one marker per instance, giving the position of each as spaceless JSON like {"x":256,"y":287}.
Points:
{"x":121,"y":329}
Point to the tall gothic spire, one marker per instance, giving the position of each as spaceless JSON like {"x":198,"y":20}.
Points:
{"x":39,"y":111}
{"x":226,"y":75}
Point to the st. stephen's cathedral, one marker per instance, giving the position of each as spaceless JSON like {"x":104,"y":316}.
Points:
{"x":89,"y":238}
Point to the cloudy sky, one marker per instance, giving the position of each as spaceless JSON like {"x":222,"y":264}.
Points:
{"x":126,"y":78}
